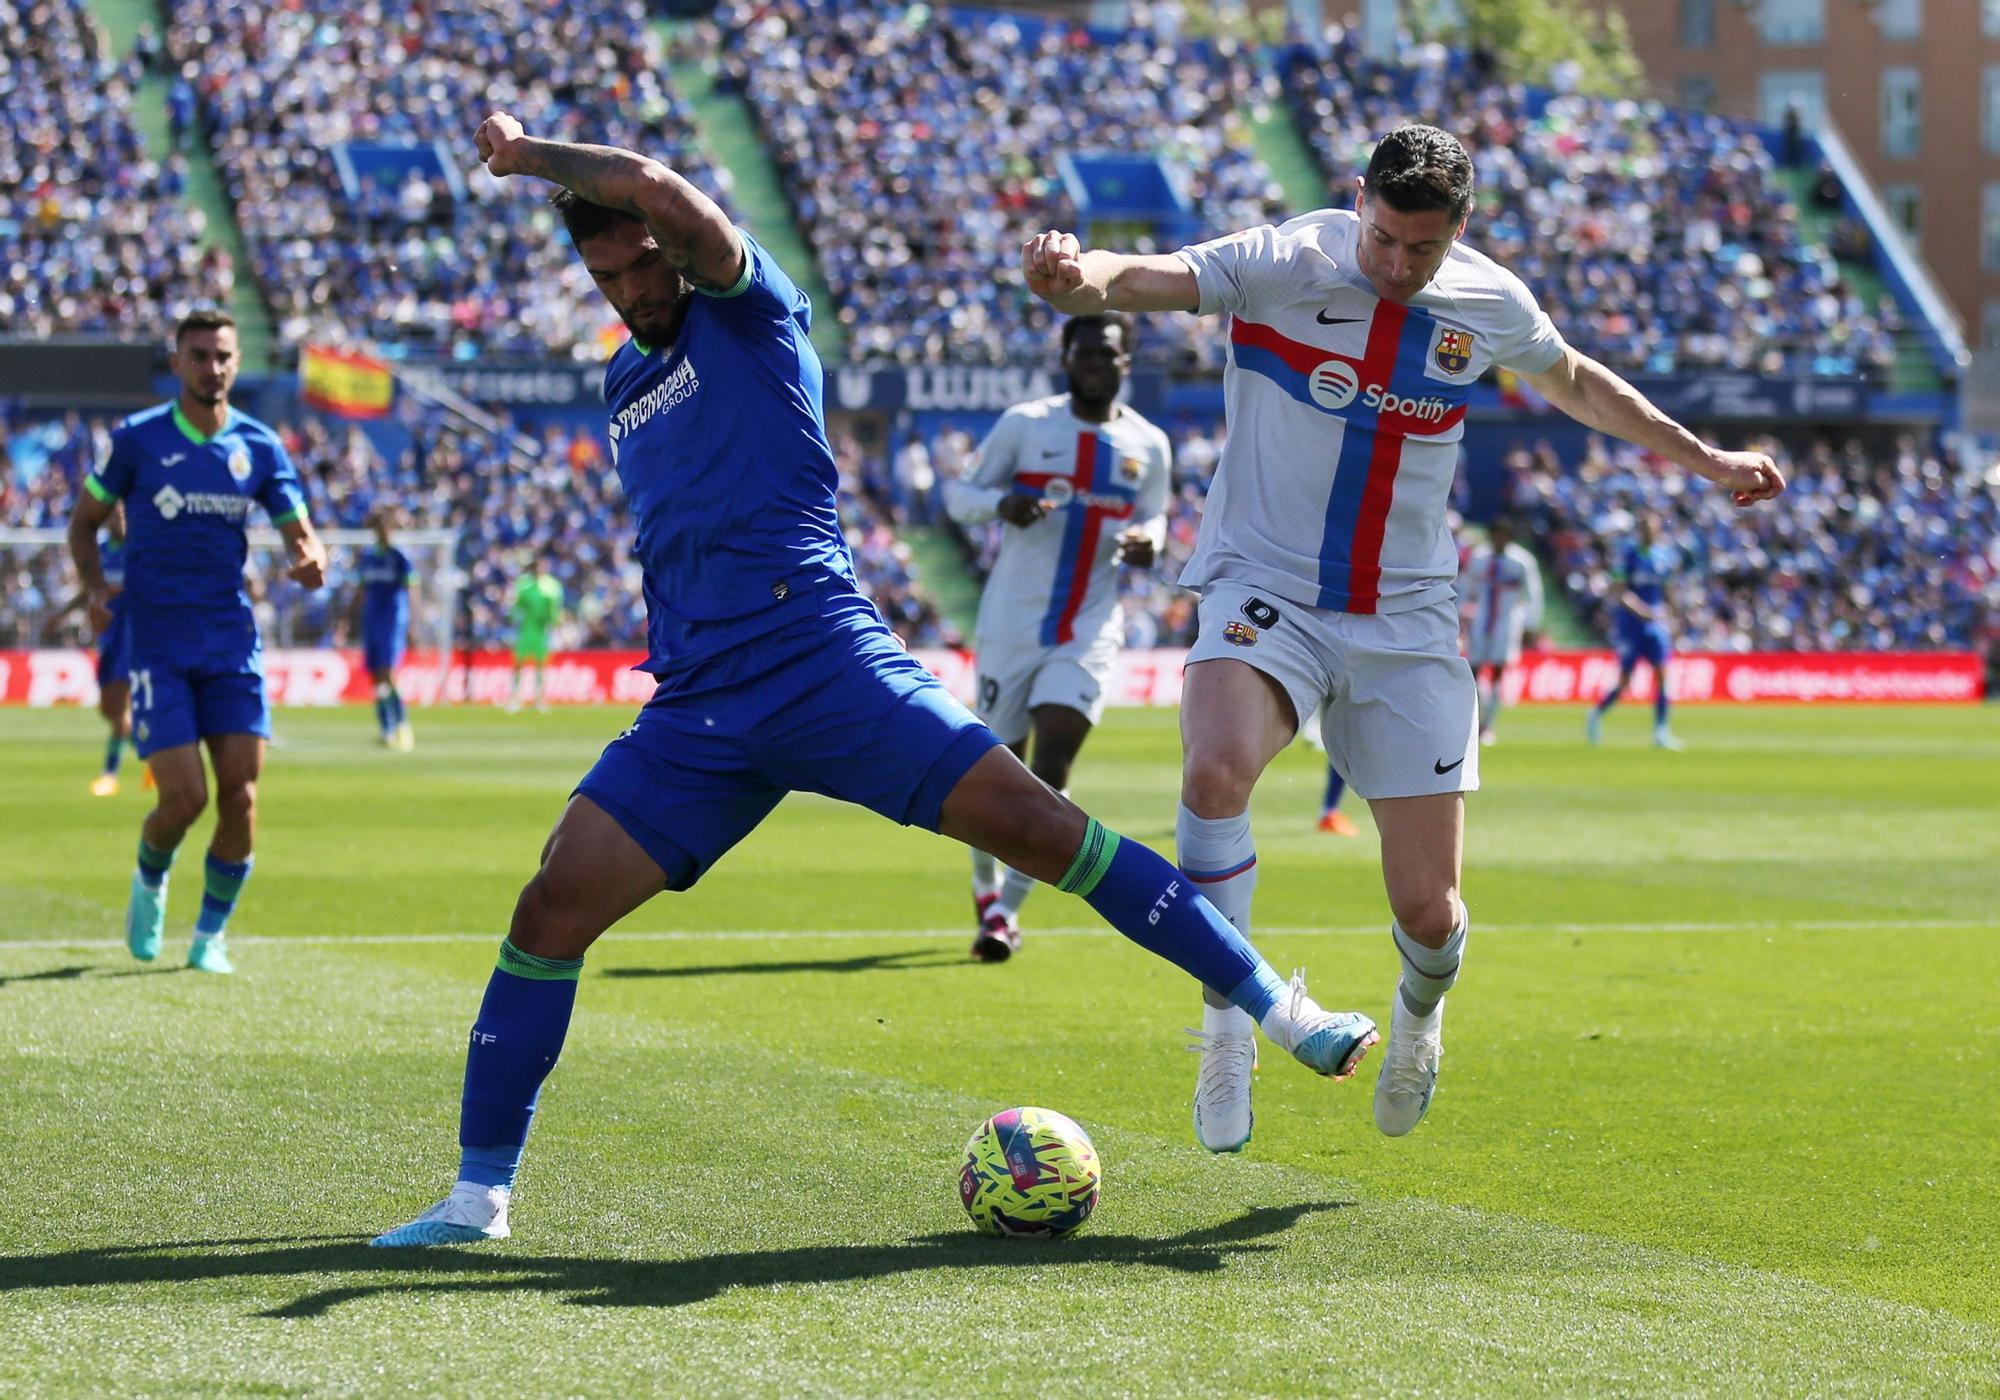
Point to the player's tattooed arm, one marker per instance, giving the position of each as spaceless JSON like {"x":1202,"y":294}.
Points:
{"x":1078,"y":283}
{"x":691,"y":229}
{"x":1597,"y":398}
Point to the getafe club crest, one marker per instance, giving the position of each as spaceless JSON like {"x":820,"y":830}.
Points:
{"x":239,"y":464}
{"x":1454,"y":350}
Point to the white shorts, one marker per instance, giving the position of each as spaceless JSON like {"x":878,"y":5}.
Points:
{"x":1013,"y":681}
{"x":1401,"y":709}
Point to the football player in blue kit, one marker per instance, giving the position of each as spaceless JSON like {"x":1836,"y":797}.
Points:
{"x":775,"y":673}
{"x":381,"y":616}
{"x":1640,"y":621}
{"x":188,"y":473}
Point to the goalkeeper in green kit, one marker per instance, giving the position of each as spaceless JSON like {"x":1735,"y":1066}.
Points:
{"x":538,"y":604}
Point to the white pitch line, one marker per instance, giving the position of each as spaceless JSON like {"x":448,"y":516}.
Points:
{"x":1098,"y":931}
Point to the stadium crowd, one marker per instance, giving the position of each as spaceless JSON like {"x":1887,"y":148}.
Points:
{"x":550,"y":492}
{"x":1888,"y":550}
{"x":1658,"y":238}
{"x":281,"y":87}
{"x":94,"y":236}
{"x":917,"y":149}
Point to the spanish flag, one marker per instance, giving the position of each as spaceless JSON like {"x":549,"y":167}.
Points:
{"x":345,"y":382}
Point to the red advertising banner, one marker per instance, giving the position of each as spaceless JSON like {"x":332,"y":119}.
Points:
{"x":336,"y":677}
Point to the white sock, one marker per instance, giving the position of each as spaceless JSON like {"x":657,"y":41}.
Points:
{"x":985,"y":874}
{"x":1014,"y":890}
{"x":1227,"y":1020}
{"x":1220,"y":860}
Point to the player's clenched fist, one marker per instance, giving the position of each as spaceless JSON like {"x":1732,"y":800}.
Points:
{"x":309,"y":569}
{"x":1053,"y":263}
{"x":1749,"y":477}
{"x":498,"y":139}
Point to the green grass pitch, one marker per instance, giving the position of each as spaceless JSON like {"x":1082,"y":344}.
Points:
{"x":1720,"y":1112}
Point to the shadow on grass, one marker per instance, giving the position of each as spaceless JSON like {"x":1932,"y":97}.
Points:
{"x":865,"y":962}
{"x":54,"y":974}
{"x":364,"y":1272}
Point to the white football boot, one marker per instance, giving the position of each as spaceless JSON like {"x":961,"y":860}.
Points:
{"x":469,"y":1214}
{"x":1409,"y":1068}
{"x":1228,"y":1048}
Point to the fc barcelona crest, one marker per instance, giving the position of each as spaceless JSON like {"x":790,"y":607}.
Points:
{"x":1454,"y":350}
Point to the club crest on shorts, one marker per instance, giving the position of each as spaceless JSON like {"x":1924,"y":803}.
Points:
{"x":1239,"y":634}
{"x":1454,"y":350}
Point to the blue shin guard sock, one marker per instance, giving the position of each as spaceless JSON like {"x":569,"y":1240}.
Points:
{"x":113,"y":751}
{"x":1146,"y":899}
{"x":1660,"y":701}
{"x":1336,"y":788}
{"x":154,"y":864}
{"x":222,"y":882}
{"x":515,"y":1042}
{"x":383,"y":711}
{"x":397,"y":714}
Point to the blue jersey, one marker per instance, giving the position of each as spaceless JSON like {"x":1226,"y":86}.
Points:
{"x":111,"y":557}
{"x":720,"y":444}
{"x":1644,"y":571}
{"x":385,"y":591}
{"x":187,"y":504}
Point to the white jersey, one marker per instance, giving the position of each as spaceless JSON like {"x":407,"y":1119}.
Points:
{"x":1056,"y":581}
{"x":1500,"y":593}
{"x":1345,"y":412}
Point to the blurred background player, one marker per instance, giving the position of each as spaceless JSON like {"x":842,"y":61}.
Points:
{"x":538,"y":604}
{"x":1500,"y":590}
{"x":188,"y":473}
{"x":1332,"y":820}
{"x":1080,"y":482}
{"x":381,"y":615}
{"x":1641,"y":576}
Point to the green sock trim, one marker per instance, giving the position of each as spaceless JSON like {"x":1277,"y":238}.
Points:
{"x":522,"y":964}
{"x":152,"y":859}
{"x":1093,"y":858}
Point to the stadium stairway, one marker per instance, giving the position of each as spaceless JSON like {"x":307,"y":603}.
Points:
{"x":1914,"y":371}
{"x":1282,"y":147}
{"x":728,"y":135}
{"x":256,"y":334}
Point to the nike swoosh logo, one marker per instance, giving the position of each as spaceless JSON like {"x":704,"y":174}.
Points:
{"x":1443,"y":767}
{"x":1059,"y":452}
{"x":169,"y":461}
{"x":1326,"y":320}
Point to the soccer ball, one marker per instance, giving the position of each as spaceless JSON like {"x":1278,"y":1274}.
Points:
{"x":1029,"y":1171}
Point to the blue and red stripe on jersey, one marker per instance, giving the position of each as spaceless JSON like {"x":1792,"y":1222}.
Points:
{"x":1098,"y":496}
{"x":1392,"y":362}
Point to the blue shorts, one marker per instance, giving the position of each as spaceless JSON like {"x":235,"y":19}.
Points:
{"x":382,"y":651}
{"x":1647,"y":644}
{"x":827,"y":704}
{"x":197,"y":694}
{"x":114,"y":646}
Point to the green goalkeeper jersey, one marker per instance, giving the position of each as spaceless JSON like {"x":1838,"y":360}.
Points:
{"x":537,"y":603}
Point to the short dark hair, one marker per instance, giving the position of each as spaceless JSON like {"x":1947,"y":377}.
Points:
{"x":208,"y":318}
{"x":1418,"y":168}
{"x":585,"y":220}
{"x":1104,"y":321}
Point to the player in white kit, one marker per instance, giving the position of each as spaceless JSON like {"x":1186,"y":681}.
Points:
{"x":1324,"y":564}
{"x":1081,"y":482}
{"x":1500,"y":591}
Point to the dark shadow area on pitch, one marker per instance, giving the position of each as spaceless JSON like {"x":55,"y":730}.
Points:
{"x":54,"y":974}
{"x":168,"y":971}
{"x":907,"y":959}
{"x":625,"y":1283}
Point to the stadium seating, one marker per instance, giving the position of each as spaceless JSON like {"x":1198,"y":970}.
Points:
{"x":282,"y":85}
{"x":1657,"y":238}
{"x":919,"y":149}
{"x":93,"y":236}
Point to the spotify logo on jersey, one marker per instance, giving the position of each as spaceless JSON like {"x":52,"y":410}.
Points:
{"x":1333,"y":384}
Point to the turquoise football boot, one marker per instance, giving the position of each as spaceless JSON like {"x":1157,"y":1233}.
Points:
{"x":208,"y":955}
{"x":471,"y":1213}
{"x":145,"y":919}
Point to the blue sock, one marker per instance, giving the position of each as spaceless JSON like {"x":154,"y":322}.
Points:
{"x":112,"y":753}
{"x":1660,"y":700}
{"x":515,"y":1042}
{"x":154,"y":865}
{"x":396,"y":711}
{"x":1151,"y":903}
{"x":382,"y":720}
{"x":1611,"y":696}
{"x":221,"y":882}
{"x":1336,"y":788}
